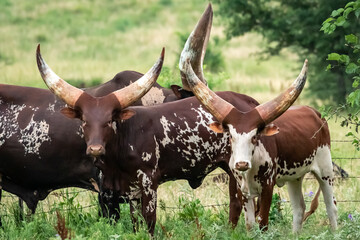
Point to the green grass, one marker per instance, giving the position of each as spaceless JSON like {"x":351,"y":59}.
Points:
{"x":89,"y":42}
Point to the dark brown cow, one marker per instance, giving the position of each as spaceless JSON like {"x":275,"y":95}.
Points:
{"x":148,"y":147}
{"x":269,"y":149}
{"x":35,"y":139}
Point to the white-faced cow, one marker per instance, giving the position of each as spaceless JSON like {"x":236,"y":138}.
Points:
{"x":269,"y":149}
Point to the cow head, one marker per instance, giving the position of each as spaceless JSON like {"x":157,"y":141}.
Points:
{"x":98,"y":114}
{"x":244,"y":127}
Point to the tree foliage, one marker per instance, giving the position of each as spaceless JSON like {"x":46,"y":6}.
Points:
{"x":296,"y":24}
{"x":348,"y":62}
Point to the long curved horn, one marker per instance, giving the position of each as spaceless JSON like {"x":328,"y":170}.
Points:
{"x":270,"y":110}
{"x":217,"y":106}
{"x":69,"y":94}
{"x":195,"y":47}
{"x":128,"y":95}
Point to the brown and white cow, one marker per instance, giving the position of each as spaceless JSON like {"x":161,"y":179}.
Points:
{"x":270,"y":146}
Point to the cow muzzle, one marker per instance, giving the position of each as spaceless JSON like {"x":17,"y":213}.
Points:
{"x":95,"y":150}
{"x":242,"y":166}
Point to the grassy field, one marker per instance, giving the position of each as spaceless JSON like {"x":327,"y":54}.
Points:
{"x":91,"y":41}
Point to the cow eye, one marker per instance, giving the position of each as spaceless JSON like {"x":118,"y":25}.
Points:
{"x":83,"y":123}
{"x":109,"y":123}
{"x":254,"y":139}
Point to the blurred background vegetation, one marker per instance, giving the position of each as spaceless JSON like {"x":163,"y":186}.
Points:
{"x":90,"y":41}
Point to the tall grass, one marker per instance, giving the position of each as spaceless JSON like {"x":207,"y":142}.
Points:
{"x":90,"y":41}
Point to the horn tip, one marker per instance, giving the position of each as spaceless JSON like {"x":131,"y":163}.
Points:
{"x":38,"y":48}
{"x":163,"y":52}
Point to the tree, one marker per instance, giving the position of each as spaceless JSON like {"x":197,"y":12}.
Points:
{"x":295,"y":24}
{"x":348,"y":62}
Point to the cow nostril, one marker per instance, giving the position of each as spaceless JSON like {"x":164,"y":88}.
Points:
{"x":96,"y":150}
{"x":242,"y":166}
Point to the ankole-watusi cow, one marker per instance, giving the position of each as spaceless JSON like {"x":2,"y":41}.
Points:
{"x":270,"y":146}
{"x":151,"y":145}
{"x":41,"y":150}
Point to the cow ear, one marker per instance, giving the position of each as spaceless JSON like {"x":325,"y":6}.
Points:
{"x":181,"y":93}
{"x":270,"y":130}
{"x":126,"y":114}
{"x":176,"y":90}
{"x":70,"y":112}
{"x":216,"y":127}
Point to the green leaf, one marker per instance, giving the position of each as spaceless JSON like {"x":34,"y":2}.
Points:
{"x":333,"y":57}
{"x":344,"y":59}
{"x":354,"y":98}
{"x":328,"y":67}
{"x":335,"y":13}
{"x":349,"y":4}
{"x":340,"y":21}
{"x":357,"y":12}
{"x":351,"y":38}
{"x":356,"y":83}
{"x":351,"y":68}
{"x":332,"y":28}
{"x":349,"y":134}
{"x":328,"y":20}
{"x":347,"y":12}
{"x":325,"y":27}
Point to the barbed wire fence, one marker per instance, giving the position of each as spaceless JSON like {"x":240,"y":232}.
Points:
{"x":67,"y":193}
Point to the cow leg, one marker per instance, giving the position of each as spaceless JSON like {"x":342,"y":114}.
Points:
{"x":329,"y":199}
{"x":149,"y":212}
{"x":297,"y":202}
{"x":235,"y":201}
{"x":149,"y":202}
{"x":323,"y":171}
{"x":330,"y":203}
{"x":249,"y":208}
{"x":265,"y":204}
{"x":148,"y":188}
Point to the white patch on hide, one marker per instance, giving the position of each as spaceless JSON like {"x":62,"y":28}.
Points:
{"x":166,"y":125}
{"x":33,"y":135}
{"x":146,"y":156}
{"x":8,"y":122}
{"x":114,"y":127}
{"x":80,"y":131}
{"x":152,"y":97}
{"x":51,"y":108}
